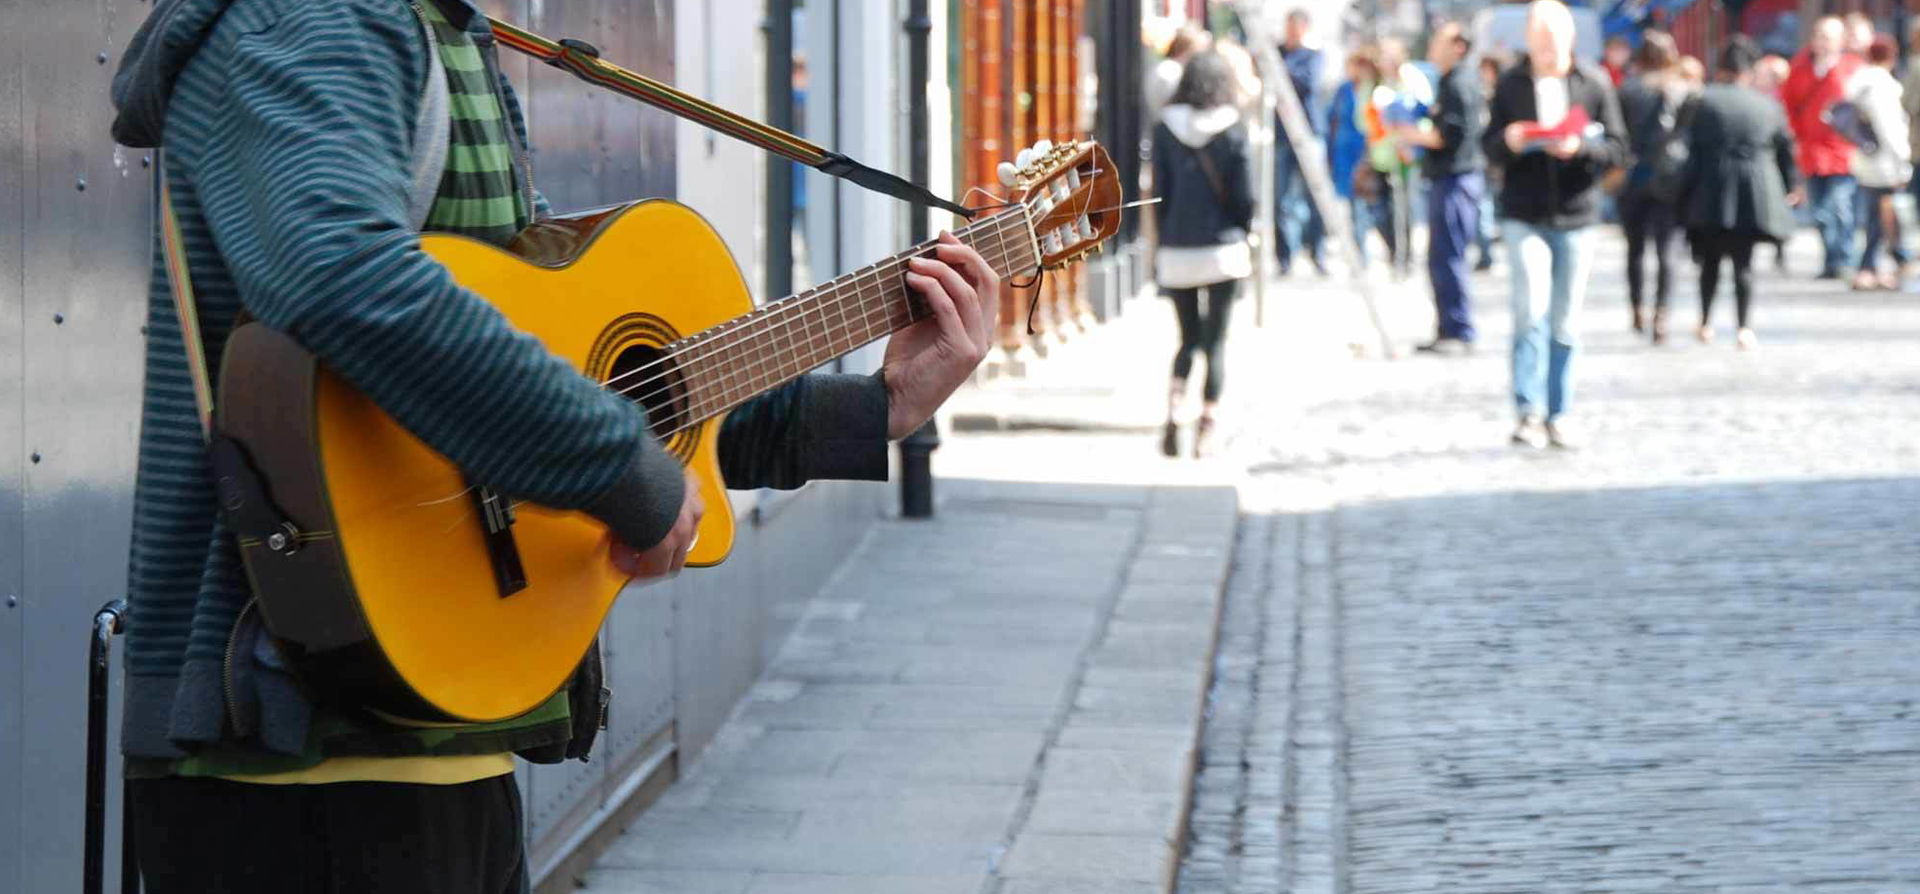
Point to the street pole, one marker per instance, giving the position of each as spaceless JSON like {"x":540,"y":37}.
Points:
{"x":916,"y":450}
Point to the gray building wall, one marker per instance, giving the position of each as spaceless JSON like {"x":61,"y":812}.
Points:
{"x":75,"y":214}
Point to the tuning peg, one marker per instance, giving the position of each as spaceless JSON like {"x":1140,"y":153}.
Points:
{"x":1086,"y":228}
{"x":1009,"y":173}
{"x":1043,"y":147}
{"x":1024,"y":159}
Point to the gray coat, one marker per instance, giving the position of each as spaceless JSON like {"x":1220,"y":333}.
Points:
{"x":1740,"y":166}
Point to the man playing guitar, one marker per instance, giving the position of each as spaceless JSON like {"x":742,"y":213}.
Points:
{"x":292,"y":132}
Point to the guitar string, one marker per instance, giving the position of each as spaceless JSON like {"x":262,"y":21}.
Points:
{"x":774,"y":330}
{"x":785,"y":305}
{"x":699,"y":401}
{"x":734,"y":387}
{"x":696,"y":403}
{"x":777,"y":326}
{"x":731,"y":335}
{"x":742,"y":381}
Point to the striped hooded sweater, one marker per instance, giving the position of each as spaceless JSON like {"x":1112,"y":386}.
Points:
{"x":289,"y":130}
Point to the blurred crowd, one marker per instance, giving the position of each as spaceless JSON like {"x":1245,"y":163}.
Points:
{"x":1699,"y":162}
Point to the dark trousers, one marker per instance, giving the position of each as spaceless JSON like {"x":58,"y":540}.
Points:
{"x":1203,"y":329}
{"x":1731,"y":247}
{"x":1649,"y":222}
{"x":1453,"y":223}
{"x":211,"y":836}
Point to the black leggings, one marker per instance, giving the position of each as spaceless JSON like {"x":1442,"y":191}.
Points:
{"x":1726,"y":246}
{"x":1204,"y":330}
{"x":1648,"y":221}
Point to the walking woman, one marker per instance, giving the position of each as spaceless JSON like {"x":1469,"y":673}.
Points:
{"x":1740,"y":169}
{"x":1201,"y":172}
{"x":1650,"y":102}
{"x":1883,"y":167}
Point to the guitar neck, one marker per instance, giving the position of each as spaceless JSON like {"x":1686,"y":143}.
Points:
{"x":723,"y":367}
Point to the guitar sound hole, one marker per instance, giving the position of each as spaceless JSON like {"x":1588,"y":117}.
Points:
{"x":657,"y":387}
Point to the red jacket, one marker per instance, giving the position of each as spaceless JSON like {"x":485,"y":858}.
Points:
{"x":1822,"y":152}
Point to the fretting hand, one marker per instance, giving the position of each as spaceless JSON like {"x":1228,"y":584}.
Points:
{"x":928,"y":360}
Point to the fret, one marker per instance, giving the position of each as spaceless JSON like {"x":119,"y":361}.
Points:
{"x":727,"y":365}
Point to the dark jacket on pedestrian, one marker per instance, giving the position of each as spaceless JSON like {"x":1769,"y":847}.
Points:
{"x":1304,"y":65}
{"x":1538,"y":188}
{"x":1459,"y":114}
{"x":1650,"y":107}
{"x":1740,"y":165}
{"x":1195,"y":208}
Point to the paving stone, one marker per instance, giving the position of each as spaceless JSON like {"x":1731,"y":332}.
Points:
{"x":1090,"y":858}
{"x":1105,"y":813}
{"x":1143,"y":772}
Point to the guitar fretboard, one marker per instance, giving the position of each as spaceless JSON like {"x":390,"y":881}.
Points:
{"x":723,"y":367}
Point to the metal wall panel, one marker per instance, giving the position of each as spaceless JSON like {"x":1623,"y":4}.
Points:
{"x":84,"y":230}
{"x":12,"y":440}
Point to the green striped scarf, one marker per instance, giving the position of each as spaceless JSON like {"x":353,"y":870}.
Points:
{"x":478,"y":195}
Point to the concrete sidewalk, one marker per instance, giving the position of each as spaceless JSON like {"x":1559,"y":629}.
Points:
{"x":1004,"y":699}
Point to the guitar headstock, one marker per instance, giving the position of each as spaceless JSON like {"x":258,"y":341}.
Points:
{"x":1070,"y":193}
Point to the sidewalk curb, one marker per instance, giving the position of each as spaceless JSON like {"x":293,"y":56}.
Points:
{"x":1108,"y":810}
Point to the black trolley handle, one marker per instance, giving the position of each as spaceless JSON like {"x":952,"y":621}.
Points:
{"x":110,"y":620}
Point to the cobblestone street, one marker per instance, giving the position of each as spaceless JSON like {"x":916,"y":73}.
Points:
{"x":1678,"y":659}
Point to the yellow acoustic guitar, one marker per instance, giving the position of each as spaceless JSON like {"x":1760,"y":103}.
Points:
{"x":485,"y":616}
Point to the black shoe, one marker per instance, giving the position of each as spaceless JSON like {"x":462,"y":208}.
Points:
{"x":1170,"y":440}
{"x":1485,"y":265}
{"x":1446,"y":346}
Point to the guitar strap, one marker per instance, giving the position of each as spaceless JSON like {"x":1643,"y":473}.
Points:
{"x":184,"y":308}
{"x":583,"y":60}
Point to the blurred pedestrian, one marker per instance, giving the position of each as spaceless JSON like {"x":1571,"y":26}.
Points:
{"x":1693,"y":71}
{"x":1202,"y":175}
{"x":1453,"y":164}
{"x":1297,"y":220}
{"x":1492,"y":63}
{"x":1164,"y":77}
{"x":1769,"y":76}
{"x":1353,"y":177}
{"x":1860,"y":34}
{"x":1883,"y":167}
{"x":1550,"y":200}
{"x":1615,"y":57}
{"x":1739,"y":182}
{"x":1817,"y":79}
{"x":1402,"y":97}
{"x":1650,"y":104}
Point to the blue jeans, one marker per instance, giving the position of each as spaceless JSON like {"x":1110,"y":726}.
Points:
{"x":1296,"y":219}
{"x":1453,"y":221}
{"x":1550,"y":271}
{"x":1832,"y":198}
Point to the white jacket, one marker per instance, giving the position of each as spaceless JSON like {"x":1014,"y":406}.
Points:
{"x":1877,"y":95}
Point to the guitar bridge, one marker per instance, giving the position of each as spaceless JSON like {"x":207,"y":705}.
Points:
{"x":496,"y":518}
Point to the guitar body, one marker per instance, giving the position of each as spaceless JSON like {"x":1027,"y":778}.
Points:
{"x":393,"y":599}
{"x":393,"y":583}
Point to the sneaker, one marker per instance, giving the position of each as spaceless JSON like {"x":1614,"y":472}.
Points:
{"x":1558,"y":437}
{"x":1704,"y":334}
{"x":1745,"y":340}
{"x":1640,"y":321}
{"x":1529,"y":433}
